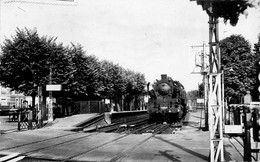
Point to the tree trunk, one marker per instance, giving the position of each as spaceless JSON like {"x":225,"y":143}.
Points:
{"x":33,"y":101}
{"x":44,"y":108}
{"x":122,"y":103}
{"x":64,"y":104}
{"x":117,"y":104}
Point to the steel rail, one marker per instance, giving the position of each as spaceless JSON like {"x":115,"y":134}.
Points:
{"x":44,"y":140}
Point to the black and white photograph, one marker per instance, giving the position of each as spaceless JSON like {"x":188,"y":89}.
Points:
{"x":129,"y":80}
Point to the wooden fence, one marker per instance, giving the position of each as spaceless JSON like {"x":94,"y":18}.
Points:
{"x":91,"y":107}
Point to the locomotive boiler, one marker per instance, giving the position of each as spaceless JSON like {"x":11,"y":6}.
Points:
{"x":167,"y":100}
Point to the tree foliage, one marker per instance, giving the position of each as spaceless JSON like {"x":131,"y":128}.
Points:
{"x":118,"y":82}
{"x":194,"y":94}
{"x":228,"y":9}
{"x":238,"y":66}
{"x":82,"y":76}
{"x":256,"y":50}
{"x":28,"y":61}
{"x":257,"y":47}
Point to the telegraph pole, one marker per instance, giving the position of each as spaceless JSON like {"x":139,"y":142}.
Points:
{"x":204,"y":72}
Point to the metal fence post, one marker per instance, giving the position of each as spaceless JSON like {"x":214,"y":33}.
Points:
{"x":247,"y":137}
{"x":30,"y":118}
{"x":19,"y":120}
{"x":39,"y":118}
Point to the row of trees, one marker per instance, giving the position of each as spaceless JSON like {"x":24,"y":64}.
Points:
{"x":29,"y":60}
{"x":240,"y":65}
{"x":194,"y":94}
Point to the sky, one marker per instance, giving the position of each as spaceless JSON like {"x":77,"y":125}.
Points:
{"x":152,"y":37}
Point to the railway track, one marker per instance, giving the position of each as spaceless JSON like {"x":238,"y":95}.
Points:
{"x":123,"y":128}
{"x":50,"y":143}
{"x":116,"y":125}
{"x":40,"y":141}
{"x":41,"y":145}
{"x":9,"y":131}
{"x":157,"y":130}
{"x":136,"y":126}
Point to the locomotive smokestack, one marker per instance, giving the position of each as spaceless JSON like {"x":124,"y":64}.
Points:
{"x":164,"y":76}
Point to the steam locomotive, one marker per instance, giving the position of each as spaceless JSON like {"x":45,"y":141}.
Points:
{"x":167,"y":100}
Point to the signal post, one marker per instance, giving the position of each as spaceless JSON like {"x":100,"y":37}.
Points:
{"x":215,"y":95}
{"x":204,"y":71}
{"x":216,"y":89}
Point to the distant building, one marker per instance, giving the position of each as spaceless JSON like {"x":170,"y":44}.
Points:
{"x":10,"y":98}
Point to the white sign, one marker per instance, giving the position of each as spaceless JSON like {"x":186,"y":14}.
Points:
{"x":200,"y":100}
{"x":53,"y":87}
{"x":107,"y":101}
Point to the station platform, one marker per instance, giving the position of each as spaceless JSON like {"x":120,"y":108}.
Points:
{"x":190,"y":143}
{"x":69,"y":122}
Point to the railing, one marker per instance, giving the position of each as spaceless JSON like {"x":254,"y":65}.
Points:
{"x":28,"y":119}
{"x":244,"y":120}
{"x":233,"y":116}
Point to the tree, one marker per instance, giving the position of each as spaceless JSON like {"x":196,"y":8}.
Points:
{"x":257,"y":47}
{"x":118,"y":83}
{"x":194,"y":94}
{"x":135,"y":88}
{"x":107,"y":90}
{"x":26,"y":61}
{"x":255,"y":94}
{"x":238,"y":65}
{"x":229,"y":10}
{"x":83,"y":76}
